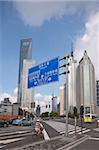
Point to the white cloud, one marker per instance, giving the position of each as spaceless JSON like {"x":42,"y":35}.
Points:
{"x":13,"y":99}
{"x":15,"y":91}
{"x":89,"y":41}
{"x":34,"y":13}
{"x":44,"y":100}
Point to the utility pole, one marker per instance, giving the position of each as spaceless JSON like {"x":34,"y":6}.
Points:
{"x":66,"y":96}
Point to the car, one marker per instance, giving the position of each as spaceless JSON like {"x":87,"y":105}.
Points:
{"x":4,"y":123}
{"x":26,"y":122}
{"x":22,"y":122}
{"x":11,"y":120}
{"x":17,"y":122}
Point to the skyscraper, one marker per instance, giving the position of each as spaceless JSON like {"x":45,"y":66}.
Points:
{"x":61,"y":100}
{"x":97,"y":89}
{"x":25,"y":53}
{"x":71,"y":88}
{"x":54,"y":103}
{"x":71,"y":83}
{"x":86,"y":85}
{"x":27,"y":94}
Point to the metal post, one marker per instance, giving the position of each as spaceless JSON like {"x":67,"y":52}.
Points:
{"x":66,"y":96}
{"x":49,"y":110}
{"x":75,"y":124}
{"x":81,"y":124}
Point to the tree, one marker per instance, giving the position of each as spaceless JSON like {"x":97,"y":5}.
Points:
{"x":53,"y":114}
{"x":44,"y":115}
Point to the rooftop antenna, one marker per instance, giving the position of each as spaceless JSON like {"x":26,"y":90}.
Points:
{"x":72,"y":50}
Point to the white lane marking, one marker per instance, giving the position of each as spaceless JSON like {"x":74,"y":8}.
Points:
{"x":2,"y":146}
{"x":46,"y":137}
{"x":93,"y":138}
{"x":96,"y":129}
{"x":77,"y":143}
{"x":73,"y":131}
{"x":10,"y":140}
{"x":17,"y":132}
{"x":85,"y":131}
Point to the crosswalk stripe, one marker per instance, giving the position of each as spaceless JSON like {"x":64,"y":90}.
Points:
{"x":10,"y":140}
{"x":2,"y":146}
{"x":85,"y":131}
{"x":77,"y":131}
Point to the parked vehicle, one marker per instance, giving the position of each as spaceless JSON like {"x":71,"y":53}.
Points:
{"x":22,"y":122}
{"x":11,"y":120}
{"x":4,"y":123}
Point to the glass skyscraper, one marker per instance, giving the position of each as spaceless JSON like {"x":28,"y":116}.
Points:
{"x":25,"y":53}
{"x":27,"y":94}
{"x":86,"y":86}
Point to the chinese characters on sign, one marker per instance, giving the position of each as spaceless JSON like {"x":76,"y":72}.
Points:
{"x":44,"y":73}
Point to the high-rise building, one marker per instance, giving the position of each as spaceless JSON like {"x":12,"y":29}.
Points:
{"x":61,"y":100}
{"x":27,"y":94}
{"x":97,"y":90}
{"x":25,"y":53}
{"x":54,"y":103}
{"x":71,"y":83}
{"x":86,"y":85}
{"x":71,"y":95}
{"x":38,"y":110}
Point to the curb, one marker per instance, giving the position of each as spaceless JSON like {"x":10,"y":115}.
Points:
{"x":45,"y":135}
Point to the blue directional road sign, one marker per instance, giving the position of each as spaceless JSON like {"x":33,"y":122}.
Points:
{"x":44,"y":73}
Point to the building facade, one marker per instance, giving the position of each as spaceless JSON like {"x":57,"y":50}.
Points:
{"x":97,"y":90}
{"x":27,"y":93}
{"x":71,"y":83}
{"x":62,"y":101}
{"x":6,"y":107}
{"x":54,"y":103}
{"x":25,"y":53}
{"x":15,"y":109}
{"x":86,"y":87}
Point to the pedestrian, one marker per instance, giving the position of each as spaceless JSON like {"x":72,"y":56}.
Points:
{"x":38,"y":127}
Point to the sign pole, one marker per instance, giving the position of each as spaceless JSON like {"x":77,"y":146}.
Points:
{"x":66,"y":96}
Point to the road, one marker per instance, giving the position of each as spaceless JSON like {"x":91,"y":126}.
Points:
{"x":16,"y":136}
{"x":19,"y":136}
{"x":92,"y":143}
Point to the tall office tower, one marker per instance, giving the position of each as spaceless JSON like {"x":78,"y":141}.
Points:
{"x":71,"y":83}
{"x":54,"y":103}
{"x":25,"y":53}
{"x":27,"y":94}
{"x":97,"y":90}
{"x":86,"y":85}
{"x":61,"y":100}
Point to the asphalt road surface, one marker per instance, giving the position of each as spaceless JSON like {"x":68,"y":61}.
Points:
{"x":15,"y":137}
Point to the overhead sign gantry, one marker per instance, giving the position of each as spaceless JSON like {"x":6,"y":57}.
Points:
{"x":44,"y":73}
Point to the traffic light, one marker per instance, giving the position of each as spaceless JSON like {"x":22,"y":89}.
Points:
{"x":81,"y":110}
{"x":75,"y":111}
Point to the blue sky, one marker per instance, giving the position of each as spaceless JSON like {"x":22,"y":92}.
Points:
{"x":52,"y":27}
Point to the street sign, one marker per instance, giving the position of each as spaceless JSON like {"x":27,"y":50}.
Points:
{"x":44,"y":73}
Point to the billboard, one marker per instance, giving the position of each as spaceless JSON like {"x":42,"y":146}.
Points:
{"x":44,"y":73}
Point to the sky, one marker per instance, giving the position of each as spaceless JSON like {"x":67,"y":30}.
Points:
{"x":53,"y":26}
